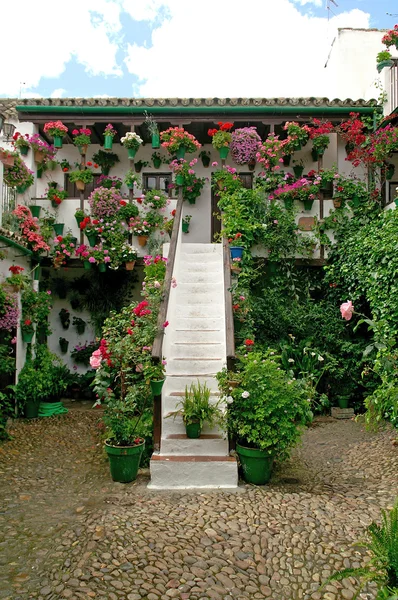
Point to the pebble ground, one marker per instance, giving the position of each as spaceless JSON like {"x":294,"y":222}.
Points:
{"x":68,"y":531}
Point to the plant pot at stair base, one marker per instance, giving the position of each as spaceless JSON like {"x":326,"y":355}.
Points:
{"x":256,"y":464}
{"x":31,"y":409}
{"x":124,"y":461}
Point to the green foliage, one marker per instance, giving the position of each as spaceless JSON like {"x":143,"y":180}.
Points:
{"x":196,"y":406}
{"x":84,"y":175}
{"x":121,"y":419}
{"x":105,"y":159}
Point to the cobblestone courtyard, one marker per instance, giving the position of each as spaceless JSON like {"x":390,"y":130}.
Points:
{"x":68,"y":531}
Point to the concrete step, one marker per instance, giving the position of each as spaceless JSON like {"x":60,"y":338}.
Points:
{"x":185,"y":472}
{"x":178,"y":383}
{"x":202,"y":249}
{"x":202,"y":297}
{"x":200,"y":311}
{"x":175,"y":425}
{"x":190,"y":350}
{"x":206,"y":444}
{"x":199,"y":336}
{"x":206,"y":259}
{"x":200,"y":267}
{"x":201,"y":288}
{"x":194,"y":367}
{"x":199,"y":324}
{"x":198,"y":277}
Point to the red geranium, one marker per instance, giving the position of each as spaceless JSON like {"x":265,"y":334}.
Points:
{"x":249,"y":342}
{"x":27,"y":322}
{"x":16,"y":270}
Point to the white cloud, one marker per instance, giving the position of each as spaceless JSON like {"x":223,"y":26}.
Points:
{"x":58,"y":93}
{"x":218,"y":49}
{"x":316,"y":2}
{"x":85,"y":29}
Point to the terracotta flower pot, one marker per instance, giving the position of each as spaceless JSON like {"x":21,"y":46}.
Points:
{"x":39,"y":156}
{"x":80,"y":185}
{"x":130,"y":265}
{"x":142,"y":240}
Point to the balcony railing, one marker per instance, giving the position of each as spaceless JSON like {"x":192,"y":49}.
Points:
{"x":394,"y":85}
{"x":8,"y":203}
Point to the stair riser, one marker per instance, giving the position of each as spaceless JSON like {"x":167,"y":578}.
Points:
{"x":201,"y":249}
{"x":216,"y":289}
{"x":198,"y":324}
{"x":198,"y":447}
{"x":203,"y":278}
{"x":192,"y":367}
{"x":199,"y":336}
{"x":178,"y":384}
{"x":185,"y":475}
{"x":201,"y":311}
{"x":197,"y":351}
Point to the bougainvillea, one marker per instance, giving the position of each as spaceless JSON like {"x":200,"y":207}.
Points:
{"x":104,"y":203}
{"x":244,"y":144}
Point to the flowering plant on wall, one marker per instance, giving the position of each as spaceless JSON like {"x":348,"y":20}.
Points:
{"x":21,"y":142}
{"x":56,"y":129}
{"x":37,"y":144}
{"x":29,"y":229}
{"x":64,"y":248}
{"x":109,"y":182}
{"x":131,"y":140}
{"x":391,"y":37}
{"x":226,"y":179}
{"x":155,"y":199}
{"x":104,"y":203}
{"x":131,"y":179}
{"x":175,"y":138}
{"x":139,"y":226}
{"x":110,"y":130}
{"x":56,"y":196}
{"x":244,"y":145}
{"x":83,"y":175}
{"x":319,"y":134}
{"x":18,"y":176}
{"x":9,"y":314}
{"x":297,"y":135}
{"x":81,"y":137}
{"x":302,"y":189}
{"x":270,"y":152}
{"x":192,"y":185}
{"x":221,"y":138}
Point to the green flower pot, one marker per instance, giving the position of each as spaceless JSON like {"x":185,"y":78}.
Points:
{"x":156,"y":386}
{"x":383,"y":64}
{"x":35,"y":210}
{"x":223,"y":152}
{"x":298,"y":171}
{"x":193,"y":430}
{"x":342,"y":402}
{"x":180,"y":153}
{"x":287,"y":159}
{"x":326,"y":188}
{"x":105,"y":170}
{"x":308,"y":204}
{"x":87,"y":265}
{"x":21,"y":189}
{"x":288,"y":202}
{"x":53,"y":185}
{"x":185,"y":227}
{"x":79,"y":220}
{"x":179,"y":179}
{"x":157,"y":163}
{"x":64,"y":347}
{"x":24,"y":150}
{"x":39,"y":173}
{"x":31,"y":409}
{"x":58,"y":228}
{"x":124,"y":461}
{"x":102,"y":267}
{"x":108,"y":142}
{"x":92,"y":238}
{"x":27,"y":337}
{"x":131,"y":152}
{"x":316,"y":154}
{"x":155,"y":141}
{"x":37,"y":272}
{"x":57,"y":141}
{"x":354,"y":202}
{"x":297,"y":146}
{"x":256,"y":464}
{"x":390,"y":171}
{"x":73,"y":240}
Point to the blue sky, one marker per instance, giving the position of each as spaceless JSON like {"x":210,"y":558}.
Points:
{"x":182,"y":48}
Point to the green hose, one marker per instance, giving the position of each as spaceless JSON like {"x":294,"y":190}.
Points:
{"x":49,"y":409}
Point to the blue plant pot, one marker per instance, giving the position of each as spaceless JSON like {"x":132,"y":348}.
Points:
{"x":236,"y":251}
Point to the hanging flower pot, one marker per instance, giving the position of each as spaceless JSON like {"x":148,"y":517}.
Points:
{"x":63,"y":344}
{"x":326,"y":187}
{"x":35,"y":210}
{"x":297,"y":146}
{"x":92,"y":238}
{"x":21,"y":189}
{"x":390,"y":171}
{"x":179,"y":179}
{"x":130,"y":265}
{"x":108,"y":142}
{"x":349,"y":147}
{"x":24,"y":150}
{"x":80,"y":185}
{"x":73,"y":240}
{"x":58,"y":228}
{"x":337,"y":201}
{"x":27,"y":336}
{"x":156,"y":386}
{"x":308,"y":204}
{"x":57,"y":141}
{"x":79,"y":220}
{"x":39,"y":156}
{"x":180,"y":152}
{"x":83,"y":149}
{"x":355,"y":202}
{"x":287,"y":159}
{"x":298,"y":171}
{"x":131,"y":152}
{"x":39,"y":172}
{"x":87,"y":264}
{"x":102,"y":267}
{"x":105,"y":170}
{"x":37,"y":273}
{"x":384,"y":64}
{"x":252,"y":165}
{"x":53,"y":185}
{"x":316,"y":154}
{"x":236,"y":251}
{"x":157,"y":162}
{"x":155,"y":140}
{"x":223,"y":152}
{"x":185,"y":227}
{"x":142,"y":240}
{"x":205,"y":161}
{"x":288,"y":202}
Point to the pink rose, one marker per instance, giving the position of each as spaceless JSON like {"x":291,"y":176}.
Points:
{"x":347,"y":310}
{"x":95,"y":362}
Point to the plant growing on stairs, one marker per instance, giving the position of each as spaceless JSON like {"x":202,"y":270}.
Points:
{"x":196,"y":409}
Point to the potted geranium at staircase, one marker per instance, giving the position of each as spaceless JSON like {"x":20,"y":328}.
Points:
{"x":27,"y":330}
{"x":82,"y":139}
{"x":185,"y":223}
{"x":109,"y":134}
{"x":244,"y":145}
{"x":266,"y":413}
{"x":106,"y":160}
{"x":221,"y":138}
{"x":57,"y":130}
{"x":81,"y":177}
{"x":132,"y":142}
{"x":196,"y":409}
{"x":154,"y":375}
{"x":179,"y":142}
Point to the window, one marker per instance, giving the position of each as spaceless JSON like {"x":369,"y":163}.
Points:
{"x":73,"y":192}
{"x":247,"y":180}
{"x":157,"y":181}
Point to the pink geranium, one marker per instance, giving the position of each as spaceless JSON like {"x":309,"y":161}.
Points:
{"x":347,"y":310}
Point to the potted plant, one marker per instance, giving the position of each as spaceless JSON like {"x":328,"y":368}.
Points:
{"x":298,"y":168}
{"x":81,"y":177}
{"x":79,"y":216}
{"x":129,"y":256}
{"x":65,"y":165}
{"x":64,"y":316}
{"x":185,"y":223}
{"x":131,"y":179}
{"x":57,"y":130}
{"x":178,"y":141}
{"x":82,"y":139}
{"x":124,"y":446}
{"x":297,"y":136}
{"x":389,"y":171}
{"x":56,"y":197}
{"x":80,"y":325}
{"x":109,"y":182}
{"x":132,"y":142}
{"x":109,"y":134}
{"x":265,"y":413}
{"x":244,"y":145}
{"x":27,"y":330}
{"x":154,"y":375}
{"x":153,"y":130}
{"x":42,"y":151}
{"x":106,"y":160}
{"x":205,"y":157}
{"x":157,"y":160}
{"x":196,"y":409}
{"x":319,"y":134}
{"x":221,"y":138}
{"x":140,"y":228}
{"x":155,"y":199}
{"x":63,"y":344}
{"x":391,"y":37}
{"x":21,"y":143}
{"x":235,"y":265}
{"x":186,"y":177}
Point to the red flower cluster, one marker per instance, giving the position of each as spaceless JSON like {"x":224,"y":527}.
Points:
{"x":140,"y":310}
{"x":85,"y":223}
{"x":15,"y":270}
{"x":320,"y":128}
{"x":222,"y":126}
{"x":103,"y":348}
{"x":249,"y":343}
{"x":173,"y":213}
{"x":27,"y":322}
{"x":352,"y":131}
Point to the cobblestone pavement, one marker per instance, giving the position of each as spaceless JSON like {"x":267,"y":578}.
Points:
{"x":68,"y":531}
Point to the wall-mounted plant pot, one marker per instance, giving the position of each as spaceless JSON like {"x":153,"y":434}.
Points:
{"x":205,"y":161}
{"x":308,"y":204}
{"x":349,"y":147}
{"x":179,"y":179}
{"x":83,"y":149}
{"x":37,"y":273}
{"x":87,"y":265}
{"x":108,"y":142}
{"x":297,"y":146}
{"x":287,"y":159}
{"x":57,"y":141}
{"x":316,"y":154}
{"x":142,"y":240}
{"x":155,"y":140}
{"x":337,"y":202}
{"x":288,"y":202}
{"x":326,"y":188}
{"x":64,"y":347}
{"x":80,"y":185}
{"x":105,"y":170}
{"x":390,"y":171}
{"x":58,"y":228}
{"x":236,"y":251}
{"x":73,"y":240}
{"x":156,"y":386}
{"x":23,"y":150}
{"x":27,"y":337}
{"x":102,"y":267}
{"x":39,"y":156}
{"x":21,"y":189}
{"x":130,"y":265}
{"x":384,"y":64}
{"x":185,"y":227}
{"x":355,"y":202}
{"x":39,"y":172}
{"x":180,"y":152}
{"x":236,"y":270}
{"x":223,"y":152}
{"x":298,"y":171}
{"x":79,"y":220}
{"x":92,"y":238}
{"x":131,"y":152}
{"x":157,"y":163}
{"x":251,"y":165}
{"x":53,"y":185}
{"x":138,"y":167}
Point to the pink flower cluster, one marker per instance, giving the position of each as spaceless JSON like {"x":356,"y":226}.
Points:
{"x":391,"y":37}
{"x":9,"y":320}
{"x":104,"y":202}
{"x":56,"y":128}
{"x":270,"y":152}
{"x":29,"y":229}
{"x":347,"y":310}
{"x":176,"y":137}
{"x":244,"y":144}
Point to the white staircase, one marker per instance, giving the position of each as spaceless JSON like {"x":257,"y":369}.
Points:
{"x":195,"y":349}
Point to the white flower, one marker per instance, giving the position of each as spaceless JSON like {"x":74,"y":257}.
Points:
{"x":245,"y":394}
{"x":313,"y":353}
{"x":320,"y":358}
{"x":229,"y":400}
{"x":291,"y":360}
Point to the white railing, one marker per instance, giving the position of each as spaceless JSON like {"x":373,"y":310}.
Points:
{"x":394,"y":85}
{"x":8,"y":199}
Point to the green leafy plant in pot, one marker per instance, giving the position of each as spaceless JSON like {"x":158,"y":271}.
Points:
{"x":80,"y":325}
{"x":106,"y":160}
{"x":196,"y":409}
{"x":265,"y":413}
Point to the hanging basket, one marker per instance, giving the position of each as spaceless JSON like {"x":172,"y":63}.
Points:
{"x":57,"y":141}
{"x":58,"y":228}
{"x":80,"y":185}
{"x":102,"y":267}
{"x":87,"y":265}
{"x":142,"y":240}
{"x":131,"y":152}
{"x":108,"y":142}
{"x":185,"y":227}
{"x":39,"y":156}
{"x":23,"y":150}
{"x":155,"y":140}
{"x":308,"y":204}
{"x":180,"y":152}
{"x":83,"y":149}
{"x":156,"y":386}
{"x":92,"y":238}
{"x":223,"y":152}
